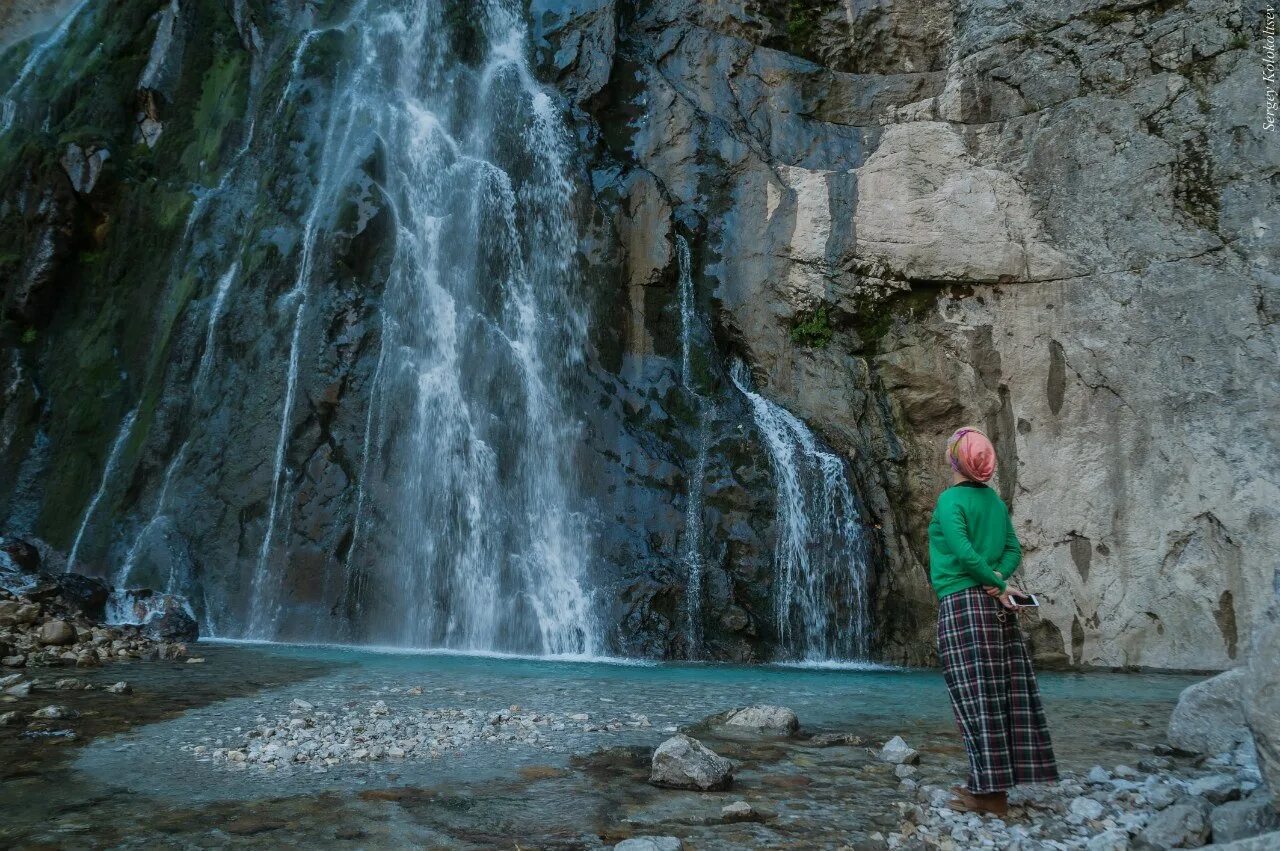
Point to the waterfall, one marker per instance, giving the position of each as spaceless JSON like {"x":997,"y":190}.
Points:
{"x":687,"y":312}
{"x":820,"y":558}
{"x":108,"y":472}
{"x":124,"y":576}
{"x":692,"y":543}
{"x":470,"y":431}
{"x":336,"y":153}
{"x":8,"y":104}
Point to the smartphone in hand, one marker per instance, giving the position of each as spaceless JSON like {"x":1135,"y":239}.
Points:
{"x":1024,"y":601}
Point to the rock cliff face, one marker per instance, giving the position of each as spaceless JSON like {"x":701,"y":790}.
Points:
{"x":1049,"y":222}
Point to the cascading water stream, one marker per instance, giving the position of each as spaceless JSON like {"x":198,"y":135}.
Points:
{"x":468,"y":429}
{"x":692,"y":544}
{"x":334,"y":166}
{"x":820,"y":556}
{"x":108,"y":472}
{"x":124,"y":576}
{"x":8,"y":104}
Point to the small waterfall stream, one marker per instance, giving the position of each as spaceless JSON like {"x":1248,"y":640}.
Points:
{"x":820,"y":555}
{"x":692,"y":543}
{"x":108,"y":473}
{"x":124,"y":576}
{"x":8,"y":101}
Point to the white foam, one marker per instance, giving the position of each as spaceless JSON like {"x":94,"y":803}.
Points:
{"x":390,"y":650}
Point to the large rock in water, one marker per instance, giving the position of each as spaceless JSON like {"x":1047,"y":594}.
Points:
{"x":764,"y":718}
{"x":1209,"y":717}
{"x":650,"y":843}
{"x":685,"y":763}
{"x":162,"y":616}
{"x":169,"y":621}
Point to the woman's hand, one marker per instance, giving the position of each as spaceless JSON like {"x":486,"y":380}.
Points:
{"x":1004,"y":596}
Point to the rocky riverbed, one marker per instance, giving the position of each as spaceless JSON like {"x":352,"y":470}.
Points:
{"x":1168,"y":798}
{"x":50,"y":616}
{"x":314,"y":738}
{"x":564,"y":755}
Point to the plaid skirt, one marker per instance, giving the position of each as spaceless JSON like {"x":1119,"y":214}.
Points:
{"x":993,"y":693}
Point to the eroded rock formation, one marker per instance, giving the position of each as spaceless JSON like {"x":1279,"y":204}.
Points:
{"x":1050,"y":223}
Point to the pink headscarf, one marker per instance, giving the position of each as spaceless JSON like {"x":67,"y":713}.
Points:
{"x":972,"y":455}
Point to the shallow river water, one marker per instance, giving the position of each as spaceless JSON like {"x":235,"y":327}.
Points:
{"x":131,"y":778}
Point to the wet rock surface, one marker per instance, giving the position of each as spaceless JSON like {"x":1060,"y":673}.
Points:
{"x":682,"y":762}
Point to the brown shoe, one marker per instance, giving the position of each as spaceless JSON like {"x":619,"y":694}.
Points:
{"x":989,"y":803}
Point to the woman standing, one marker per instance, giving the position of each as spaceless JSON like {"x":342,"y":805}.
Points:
{"x":973,"y":550}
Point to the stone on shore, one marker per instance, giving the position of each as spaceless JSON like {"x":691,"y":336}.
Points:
{"x":1243,"y":819}
{"x":1209,"y":717}
{"x":739,"y":811}
{"x":898,"y":752}
{"x":1184,"y":825}
{"x":54,"y":712}
{"x":56,"y":633}
{"x":650,"y":843}
{"x":1084,"y":809}
{"x":1215,"y":788}
{"x":682,"y":762}
{"x":766,"y":718}
{"x":1109,"y":840}
{"x":1262,"y":693}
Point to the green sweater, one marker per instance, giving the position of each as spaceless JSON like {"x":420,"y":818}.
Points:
{"x":971,"y":540}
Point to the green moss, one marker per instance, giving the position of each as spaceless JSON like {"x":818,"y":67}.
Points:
{"x":28,"y":336}
{"x":812,"y":329}
{"x":1105,"y":17}
{"x":875,"y":321}
{"x":222,"y":101}
{"x":802,"y":22}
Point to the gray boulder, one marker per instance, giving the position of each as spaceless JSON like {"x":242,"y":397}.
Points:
{"x":56,"y":633}
{"x":766,"y":718}
{"x":1262,"y":694}
{"x":1109,"y":840}
{"x":1184,"y":825}
{"x":685,"y":763}
{"x":1209,"y":717}
{"x":1215,"y":788}
{"x":1243,"y":819}
{"x":898,"y":752}
{"x":163,"y":617}
{"x":54,"y":712}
